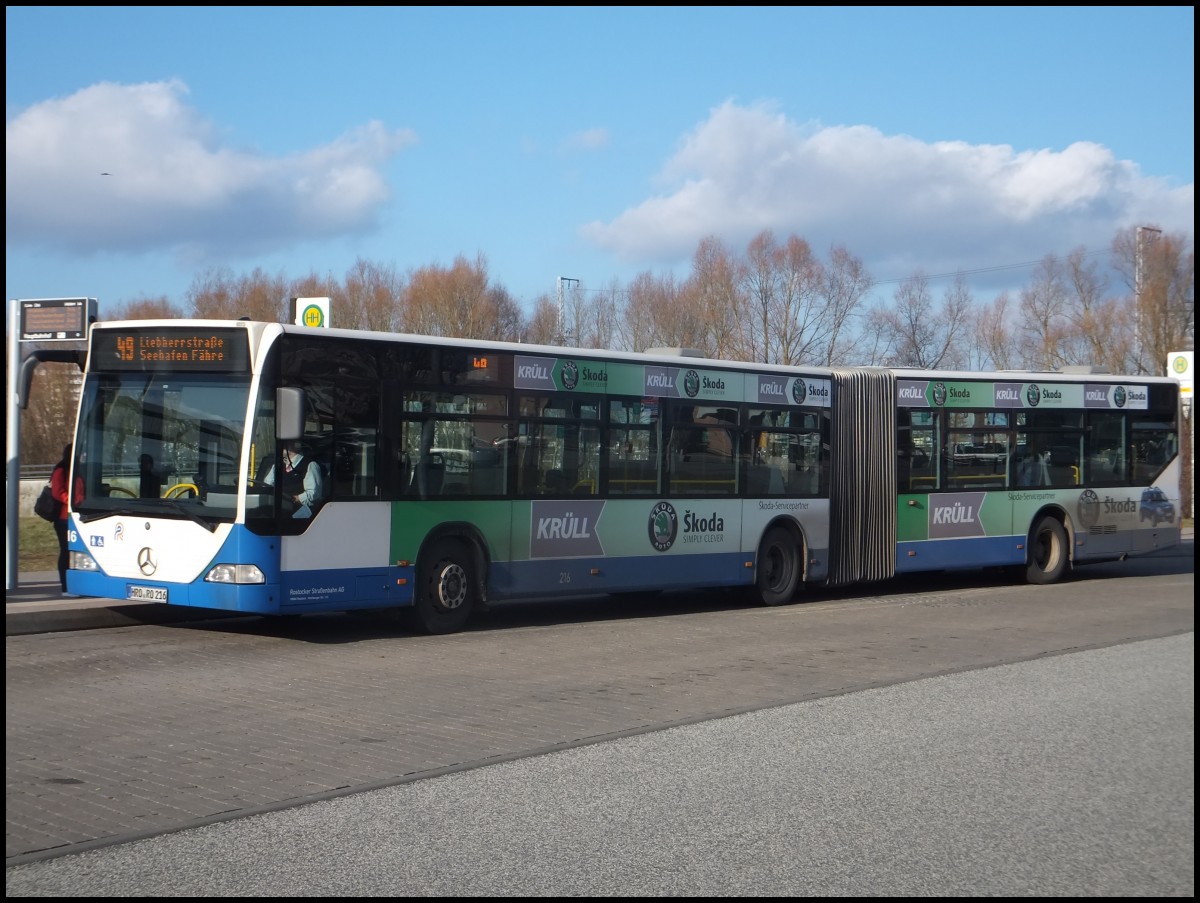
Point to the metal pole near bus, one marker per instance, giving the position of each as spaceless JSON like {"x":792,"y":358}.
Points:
{"x":34,"y":320}
{"x":12,"y":470}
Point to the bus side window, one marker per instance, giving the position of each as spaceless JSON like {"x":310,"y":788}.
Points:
{"x":1064,"y":466}
{"x":429,"y":475}
{"x":356,"y":464}
{"x":913,"y":472}
{"x":555,"y":483}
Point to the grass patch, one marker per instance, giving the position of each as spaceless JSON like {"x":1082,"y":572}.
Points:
{"x":38,"y":549}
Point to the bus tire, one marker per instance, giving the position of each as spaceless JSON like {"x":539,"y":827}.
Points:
{"x":777,"y":575}
{"x":448,"y":589}
{"x":1049,"y":552}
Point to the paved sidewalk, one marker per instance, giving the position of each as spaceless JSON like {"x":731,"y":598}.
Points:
{"x":35,"y":586}
{"x":37,"y":605}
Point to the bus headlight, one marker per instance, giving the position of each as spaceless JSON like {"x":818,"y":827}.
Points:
{"x":81,"y":561}
{"x":235,"y":573}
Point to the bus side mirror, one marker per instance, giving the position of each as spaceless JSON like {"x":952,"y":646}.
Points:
{"x":289,"y":413}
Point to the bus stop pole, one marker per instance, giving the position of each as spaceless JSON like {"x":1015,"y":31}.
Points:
{"x":12,"y":473}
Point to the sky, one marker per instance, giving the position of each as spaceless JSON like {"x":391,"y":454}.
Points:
{"x":146,"y":146}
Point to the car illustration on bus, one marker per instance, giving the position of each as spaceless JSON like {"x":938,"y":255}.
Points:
{"x":1155,"y":506}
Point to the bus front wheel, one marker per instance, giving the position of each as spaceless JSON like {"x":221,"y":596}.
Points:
{"x":1048,"y":552}
{"x":447,"y":591}
{"x":778,"y":574}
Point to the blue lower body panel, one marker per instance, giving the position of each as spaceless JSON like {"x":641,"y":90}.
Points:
{"x":574,"y":576}
{"x":959,"y":554}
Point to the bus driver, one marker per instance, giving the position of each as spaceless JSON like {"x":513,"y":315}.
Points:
{"x":303,"y":481}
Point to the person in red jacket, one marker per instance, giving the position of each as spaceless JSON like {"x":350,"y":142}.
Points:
{"x":58,"y":488}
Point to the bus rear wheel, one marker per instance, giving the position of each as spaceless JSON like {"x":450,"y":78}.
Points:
{"x":1048,"y":552}
{"x":777,"y":576}
{"x":448,"y":589}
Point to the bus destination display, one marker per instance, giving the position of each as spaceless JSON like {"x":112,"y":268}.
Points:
{"x":171,"y":348}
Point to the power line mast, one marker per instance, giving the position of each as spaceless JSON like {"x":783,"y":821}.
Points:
{"x":1138,"y":278}
{"x":564,"y":334}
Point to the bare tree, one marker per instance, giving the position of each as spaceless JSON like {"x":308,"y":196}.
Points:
{"x":796,"y":310}
{"x":542,"y":326}
{"x":451,"y":302}
{"x":593,"y":316}
{"x":877,"y":344}
{"x":636,"y":328}
{"x":1100,"y":334}
{"x":48,"y":423}
{"x":506,"y":313}
{"x":801,"y":329}
{"x":217,"y":294}
{"x":760,"y":281}
{"x":142,"y":309}
{"x":993,"y":347}
{"x":1045,"y":325}
{"x":712,"y":287}
{"x":775,"y":303}
{"x":1164,"y":311}
{"x":657,"y":314}
{"x":845,"y":286}
{"x":369,"y":298}
{"x":921,"y":335}
{"x":576,"y":326}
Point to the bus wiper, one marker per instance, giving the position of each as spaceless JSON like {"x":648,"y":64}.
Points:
{"x":210,"y":526}
{"x":110,"y":512}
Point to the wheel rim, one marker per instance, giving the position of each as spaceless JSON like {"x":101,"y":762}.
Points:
{"x":451,"y":586}
{"x":1048,"y":551}
{"x":776,"y":567}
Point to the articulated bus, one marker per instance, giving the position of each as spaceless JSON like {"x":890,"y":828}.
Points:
{"x":441,"y":474}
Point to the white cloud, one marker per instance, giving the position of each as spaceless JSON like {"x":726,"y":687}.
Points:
{"x":133,"y":168}
{"x":900,"y":204}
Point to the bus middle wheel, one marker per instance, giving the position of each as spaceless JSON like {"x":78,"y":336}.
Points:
{"x":777,"y":576}
{"x":1049,"y":552}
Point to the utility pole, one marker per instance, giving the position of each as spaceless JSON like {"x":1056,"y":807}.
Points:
{"x":564,"y":335}
{"x":1138,"y":278}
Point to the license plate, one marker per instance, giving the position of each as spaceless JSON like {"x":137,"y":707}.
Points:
{"x":147,"y":594}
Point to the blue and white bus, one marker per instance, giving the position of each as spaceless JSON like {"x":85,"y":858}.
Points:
{"x":447,"y":473}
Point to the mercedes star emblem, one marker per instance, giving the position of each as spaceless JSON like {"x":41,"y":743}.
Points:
{"x":146,"y":561}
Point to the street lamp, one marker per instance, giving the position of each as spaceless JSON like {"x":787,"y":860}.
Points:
{"x":563,"y":334}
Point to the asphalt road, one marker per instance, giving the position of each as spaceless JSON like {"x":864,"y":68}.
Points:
{"x":973,"y":737}
{"x":1066,"y":776}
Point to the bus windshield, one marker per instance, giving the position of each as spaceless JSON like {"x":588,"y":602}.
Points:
{"x":167,"y":444}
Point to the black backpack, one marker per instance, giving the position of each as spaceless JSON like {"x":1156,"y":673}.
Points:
{"x":47,"y":507}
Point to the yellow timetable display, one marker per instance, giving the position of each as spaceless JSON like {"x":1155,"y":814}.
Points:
{"x":171,"y":348}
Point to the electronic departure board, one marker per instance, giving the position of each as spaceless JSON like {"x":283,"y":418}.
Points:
{"x":183,"y":348}
{"x":56,"y":319}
